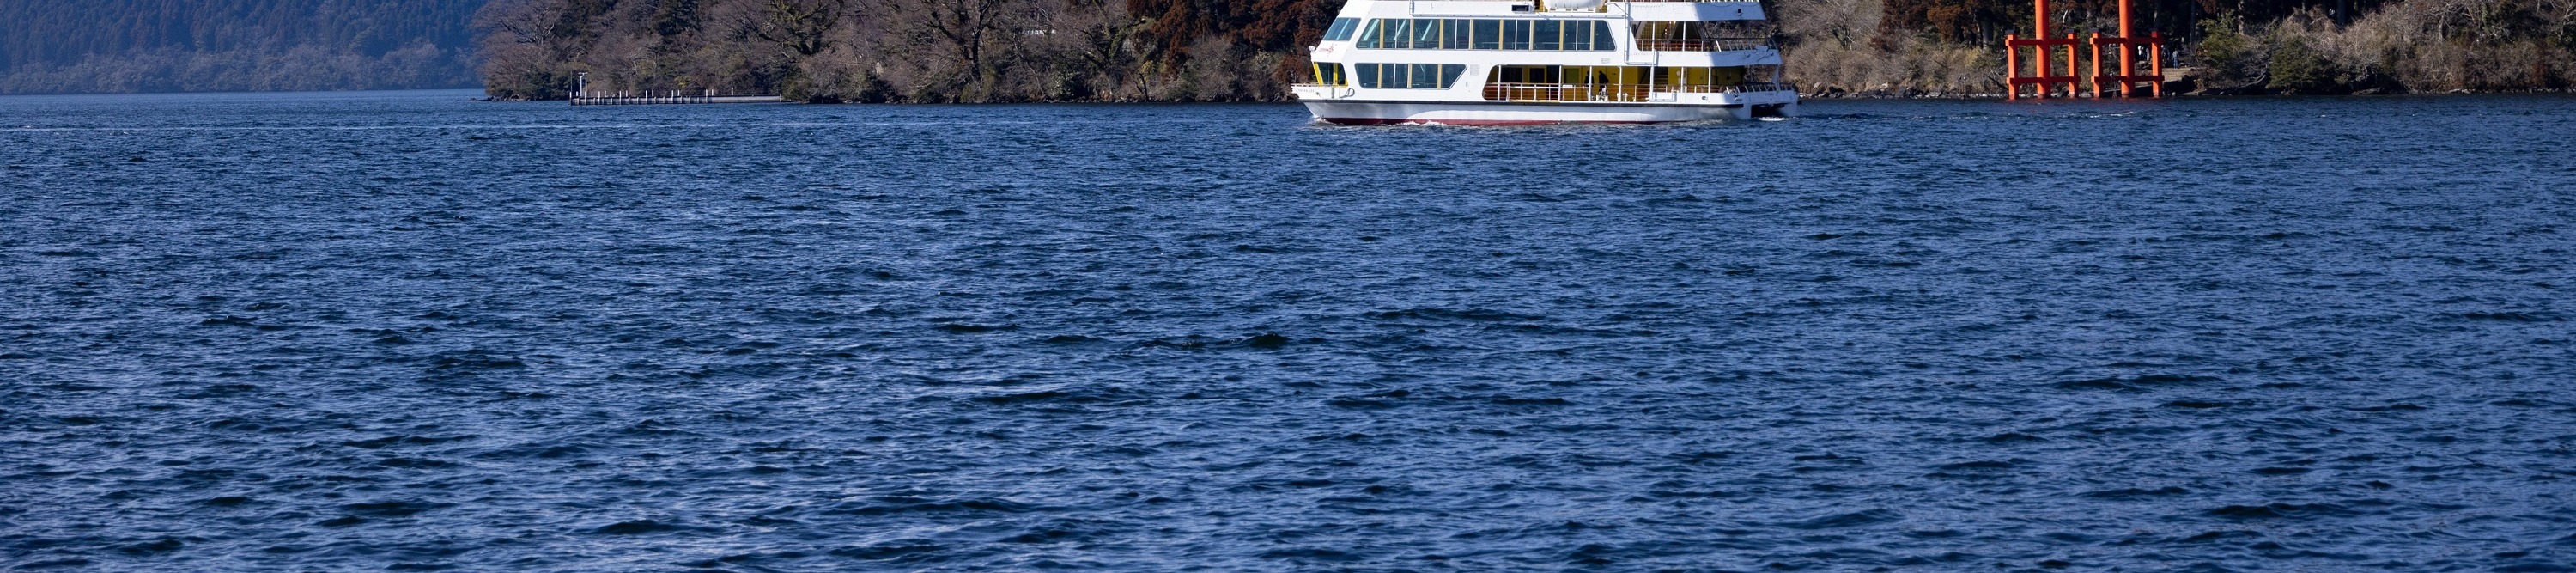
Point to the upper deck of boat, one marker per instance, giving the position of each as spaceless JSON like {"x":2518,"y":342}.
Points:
{"x":1636,"y":10}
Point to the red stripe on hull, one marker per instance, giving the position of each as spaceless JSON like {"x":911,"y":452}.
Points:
{"x":1463,"y":122}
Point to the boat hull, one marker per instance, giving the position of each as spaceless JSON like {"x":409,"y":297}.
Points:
{"x":1348,"y":112}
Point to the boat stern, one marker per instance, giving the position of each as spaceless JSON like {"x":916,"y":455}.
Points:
{"x":1763,"y":100}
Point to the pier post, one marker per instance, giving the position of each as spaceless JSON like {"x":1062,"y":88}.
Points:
{"x":2012,"y":68}
{"x":2070,"y":65}
{"x":2156,"y":62}
{"x":2039,"y":31}
{"x":2097,"y":65}
{"x":2126,"y":66}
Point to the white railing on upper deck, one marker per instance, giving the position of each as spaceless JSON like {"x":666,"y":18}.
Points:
{"x":1702,"y":45}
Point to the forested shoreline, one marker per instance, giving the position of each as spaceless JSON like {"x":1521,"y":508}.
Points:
{"x":1181,"y":50}
{"x":124,"y":46}
{"x":905,"y":50}
{"x":1177,"y":50}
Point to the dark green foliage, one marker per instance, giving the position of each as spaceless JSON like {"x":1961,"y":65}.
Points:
{"x":530,"y":84}
{"x":2298,"y":69}
{"x":675,"y":17}
{"x":2225,"y":50}
{"x":803,"y":26}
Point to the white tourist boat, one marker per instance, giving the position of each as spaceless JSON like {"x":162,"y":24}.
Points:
{"x":1506,"y":62}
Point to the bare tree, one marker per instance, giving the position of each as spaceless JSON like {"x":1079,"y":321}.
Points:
{"x":957,"y":41}
{"x":541,"y":25}
{"x":801,"y":26}
{"x":1100,"y":38}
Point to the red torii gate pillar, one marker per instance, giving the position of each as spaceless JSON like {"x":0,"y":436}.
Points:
{"x":2126,"y":77}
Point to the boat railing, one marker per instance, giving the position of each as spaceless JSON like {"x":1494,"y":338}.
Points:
{"x":1614,"y":92}
{"x":1703,"y":44}
{"x":1733,"y":89}
{"x":1644,"y":1}
{"x":1573,"y":92}
{"x":1529,"y":92}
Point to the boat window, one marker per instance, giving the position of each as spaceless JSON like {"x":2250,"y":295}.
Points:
{"x":1491,"y":34}
{"x":1454,"y":34}
{"x":1341,"y":29}
{"x":1330,"y":74}
{"x":1387,"y":76}
{"x":1701,"y":36}
{"x":1529,"y":74}
{"x":1408,"y":76}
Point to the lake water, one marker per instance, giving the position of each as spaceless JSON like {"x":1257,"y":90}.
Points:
{"x":372,"y":331}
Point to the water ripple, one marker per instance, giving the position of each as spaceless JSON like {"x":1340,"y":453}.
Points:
{"x":412,"y":332}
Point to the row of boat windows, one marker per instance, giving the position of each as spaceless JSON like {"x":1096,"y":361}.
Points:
{"x":1396,"y":76}
{"x":1479,"y":34}
{"x":1441,"y":76}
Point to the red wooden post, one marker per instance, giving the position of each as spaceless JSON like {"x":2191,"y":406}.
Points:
{"x":2012,"y":69}
{"x":2097,"y":64}
{"x":2039,"y":19}
{"x":2039,"y":31}
{"x":2126,"y":68}
{"x":2156,"y":61}
{"x":2070,"y":64}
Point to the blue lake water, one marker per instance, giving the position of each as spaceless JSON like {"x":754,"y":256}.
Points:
{"x":373,"y":331}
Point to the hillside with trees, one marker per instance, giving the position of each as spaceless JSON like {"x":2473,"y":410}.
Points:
{"x":1126,"y":50}
{"x":92,"y":46}
{"x":905,"y":50}
{"x":1046,"y":50}
{"x":1909,"y":47}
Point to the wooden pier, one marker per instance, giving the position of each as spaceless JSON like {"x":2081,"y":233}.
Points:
{"x":660,"y":98}
{"x":582,"y":95}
